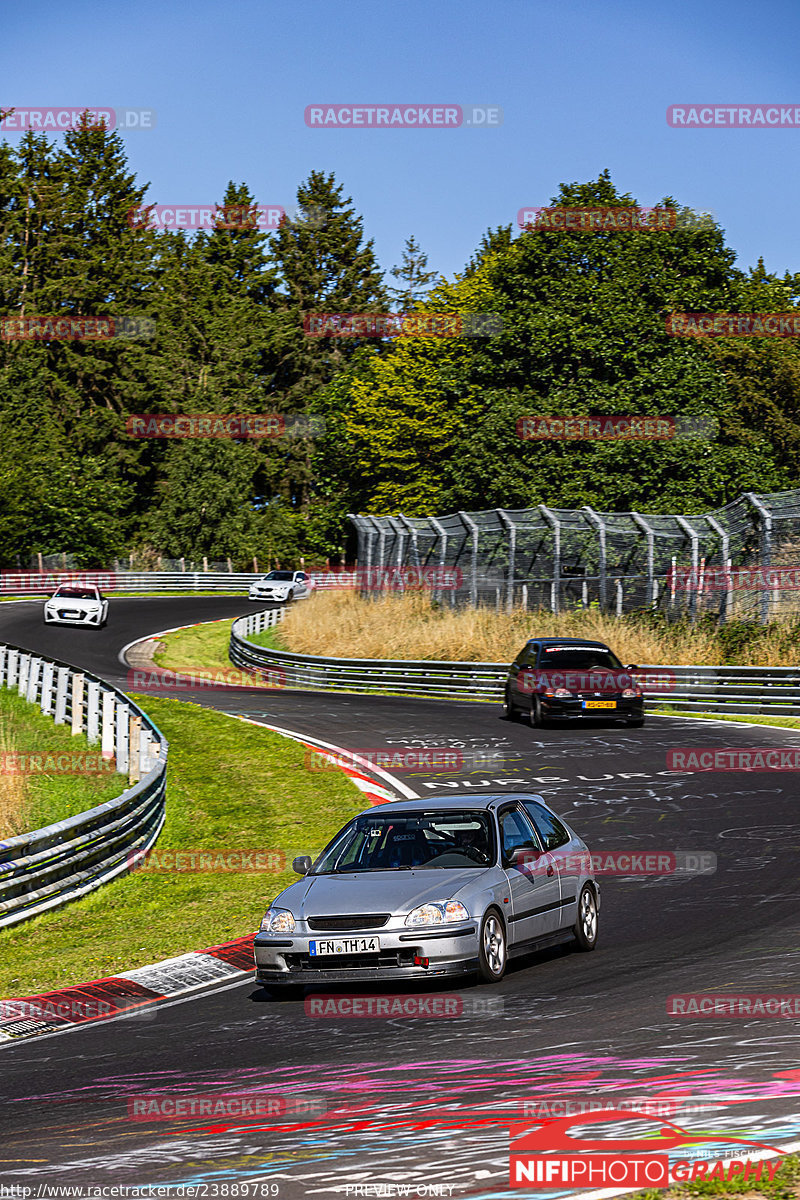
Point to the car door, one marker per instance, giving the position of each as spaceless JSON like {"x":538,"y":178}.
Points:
{"x":566,"y":853}
{"x":532,"y":878}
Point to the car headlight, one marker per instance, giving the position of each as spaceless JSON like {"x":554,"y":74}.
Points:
{"x":277,"y":920}
{"x":631,"y":693}
{"x":445,"y":913}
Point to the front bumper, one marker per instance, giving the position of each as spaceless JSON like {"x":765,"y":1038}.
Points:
{"x":559,"y":708}
{"x":64,"y":617}
{"x":268,"y":595}
{"x":285,"y":958}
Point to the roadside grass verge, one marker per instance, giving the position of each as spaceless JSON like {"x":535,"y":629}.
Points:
{"x":35,"y":788}
{"x":231,"y":786}
{"x":343,"y":625}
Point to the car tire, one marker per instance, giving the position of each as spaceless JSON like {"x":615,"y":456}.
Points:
{"x":290,"y":594}
{"x":492,"y":949}
{"x":585,"y":927}
{"x":536,"y":719}
{"x":290,"y":991}
{"x":510,"y":710}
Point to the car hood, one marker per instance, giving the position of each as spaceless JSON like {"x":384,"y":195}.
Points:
{"x":374,"y":891}
{"x":79,"y":605}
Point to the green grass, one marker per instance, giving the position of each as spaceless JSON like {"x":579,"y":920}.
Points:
{"x":51,"y":796}
{"x":271,"y":638}
{"x":231,"y":785}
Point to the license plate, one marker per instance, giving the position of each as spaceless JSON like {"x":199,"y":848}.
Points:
{"x":599,"y":704}
{"x":361,"y":945}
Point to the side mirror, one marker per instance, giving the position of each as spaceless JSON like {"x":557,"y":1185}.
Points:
{"x":302,"y":865}
{"x":632,"y":667}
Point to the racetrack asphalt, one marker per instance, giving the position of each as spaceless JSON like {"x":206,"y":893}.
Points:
{"x":571,"y":1024}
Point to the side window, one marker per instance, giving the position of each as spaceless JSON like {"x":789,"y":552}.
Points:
{"x":549,"y":828}
{"x":515,"y":832}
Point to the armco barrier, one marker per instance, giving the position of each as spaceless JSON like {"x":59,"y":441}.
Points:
{"x":49,"y":867}
{"x":773,"y":691}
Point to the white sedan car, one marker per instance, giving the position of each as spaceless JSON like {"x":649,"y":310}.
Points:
{"x":282,"y":586}
{"x":71,"y":605}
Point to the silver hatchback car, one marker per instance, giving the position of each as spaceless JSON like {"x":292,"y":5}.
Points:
{"x":421,"y":889}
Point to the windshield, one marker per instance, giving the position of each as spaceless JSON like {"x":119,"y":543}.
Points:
{"x":395,"y":843}
{"x":75,"y":593}
{"x":283,"y":576}
{"x":578,"y":658}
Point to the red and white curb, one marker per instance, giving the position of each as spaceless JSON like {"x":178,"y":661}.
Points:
{"x":127,"y":993}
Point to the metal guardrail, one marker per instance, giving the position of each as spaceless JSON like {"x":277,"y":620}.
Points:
{"x":49,"y":867}
{"x":773,"y":691}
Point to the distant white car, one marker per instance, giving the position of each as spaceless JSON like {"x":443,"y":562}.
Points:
{"x":72,"y":605}
{"x":282,"y":585}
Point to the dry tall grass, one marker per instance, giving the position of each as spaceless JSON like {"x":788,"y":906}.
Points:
{"x":14,"y":800}
{"x":343,"y":625}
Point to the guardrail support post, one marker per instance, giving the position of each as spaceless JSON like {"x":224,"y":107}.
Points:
{"x":77,"y":703}
{"x":107,"y":734}
{"x":62,"y":683}
{"x":122,"y":714}
{"x":134,"y":748}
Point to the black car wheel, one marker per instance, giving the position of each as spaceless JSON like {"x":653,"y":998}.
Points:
{"x":536,"y":718}
{"x":492,"y":957}
{"x":585,"y":928}
{"x":510,"y":711}
{"x":291,"y":594}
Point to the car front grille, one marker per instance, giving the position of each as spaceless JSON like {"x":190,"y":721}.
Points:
{"x":350,"y":962}
{"x":348,"y":923}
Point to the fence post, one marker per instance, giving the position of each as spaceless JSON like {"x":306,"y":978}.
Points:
{"x":33,"y":679}
{"x":619,"y":597}
{"x":555,"y":587}
{"x":134,"y":748}
{"x":77,"y":703}
{"x":599,"y":524}
{"x":765,"y":526}
{"x":13,"y":663}
{"x":107,"y":732}
{"x":22,"y":678}
{"x":62,"y":683}
{"x":46,"y":702}
{"x":695,"y":540}
{"x":512,"y":555}
{"x":93,"y":712}
{"x":469,"y":524}
{"x":122,"y":714}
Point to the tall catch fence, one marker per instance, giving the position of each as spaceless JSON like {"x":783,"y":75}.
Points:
{"x":740,"y":561}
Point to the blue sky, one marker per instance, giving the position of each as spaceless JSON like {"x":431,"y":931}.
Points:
{"x":583,"y":86}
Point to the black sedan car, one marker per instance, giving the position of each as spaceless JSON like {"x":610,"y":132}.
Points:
{"x":571,"y":678}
